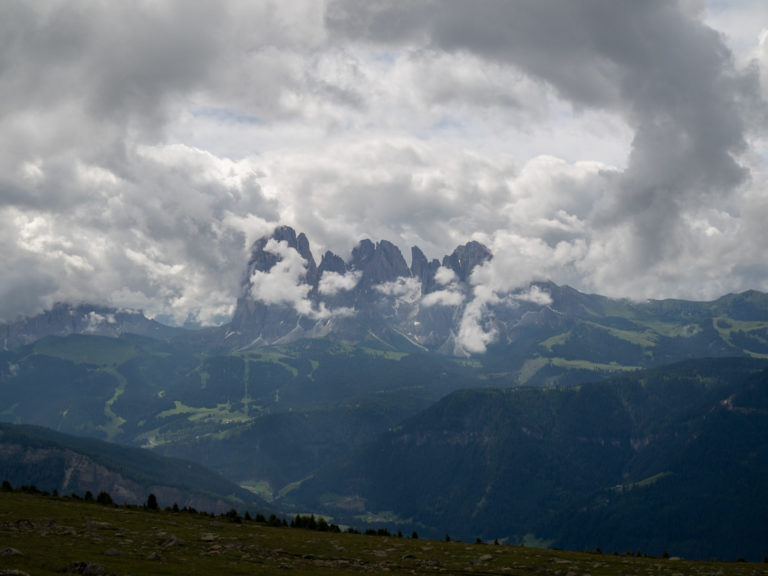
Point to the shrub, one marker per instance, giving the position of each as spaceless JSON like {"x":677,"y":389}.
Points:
{"x":104,"y":498}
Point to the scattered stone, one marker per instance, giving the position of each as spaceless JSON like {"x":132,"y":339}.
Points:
{"x":485,"y":558}
{"x":209,"y":537}
{"x":86,"y":568}
{"x":12,"y":572}
{"x":170,"y":541}
{"x":96,"y":525}
{"x":112,"y":552}
{"x":24,"y":525}
{"x":154,"y":556}
{"x":8,"y":551}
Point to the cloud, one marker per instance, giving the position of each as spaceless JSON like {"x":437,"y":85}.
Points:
{"x":688,"y":104}
{"x":535,"y":295}
{"x":96,"y":320}
{"x":331,"y":283}
{"x":403,"y":289}
{"x":616,"y":147}
{"x":450,"y":295}
{"x":445,"y":276}
{"x":443,"y":298}
{"x":476,"y":330}
{"x":283,"y":284}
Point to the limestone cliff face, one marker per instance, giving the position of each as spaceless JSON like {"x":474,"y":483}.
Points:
{"x":423,"y":269}
{"x":465,"y":258}
{"x":375,"y":292}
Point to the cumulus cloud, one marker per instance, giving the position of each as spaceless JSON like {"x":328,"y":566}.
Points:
{"x":476,"y":329}
{"x":96,"y":320}
{"x":445,"y":276}
{"x":331,"y":283}
{"x":450,"y":295}
{"x":443,"y":298}
{"x":283,"y":284}
{"x":403,"y":289}
{"x":535,"y":295}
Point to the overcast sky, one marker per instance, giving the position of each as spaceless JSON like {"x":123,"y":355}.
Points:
{"x":616,"y":146}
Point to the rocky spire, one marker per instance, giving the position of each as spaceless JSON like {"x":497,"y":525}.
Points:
{"x":465,"y":258}
{"x":263,"y":260}
{"x":382,"y":262}
{"x":423,"y":269}
{"x":332,"y":263}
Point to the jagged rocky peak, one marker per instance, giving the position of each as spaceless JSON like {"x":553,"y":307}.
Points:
{"x":381,"y":262}
{"x":466,"y":257}
{"x":378,"y":262}
{"x":423,"y":269}
{"x":302,"y":245}
{"x":332,"y":263}
{"x":263,"y":260}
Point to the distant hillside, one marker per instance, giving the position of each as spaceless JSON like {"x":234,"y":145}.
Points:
{"x":31,"y":455}
{"x":65,"y":319}
{"x":673,"y":458}
{"x":270,"y":417}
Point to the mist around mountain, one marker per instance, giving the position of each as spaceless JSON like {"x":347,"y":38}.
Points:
{"x":349,"y":387}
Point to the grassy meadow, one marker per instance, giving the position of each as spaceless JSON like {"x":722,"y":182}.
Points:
{"x":45,"y":535}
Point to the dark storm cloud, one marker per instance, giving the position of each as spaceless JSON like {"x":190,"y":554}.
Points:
{"x":121,"y":60}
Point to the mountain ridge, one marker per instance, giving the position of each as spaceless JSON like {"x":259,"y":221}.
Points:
{"x":285,"y":297}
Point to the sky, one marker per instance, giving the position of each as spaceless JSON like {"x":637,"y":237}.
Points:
{"x":612,"y":145}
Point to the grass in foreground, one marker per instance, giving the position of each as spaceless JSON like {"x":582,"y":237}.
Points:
{"x":42,"y":535}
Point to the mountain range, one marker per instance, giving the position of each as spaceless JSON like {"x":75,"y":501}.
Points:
{"x":353,"y":388}
{"x":541,"y":333}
